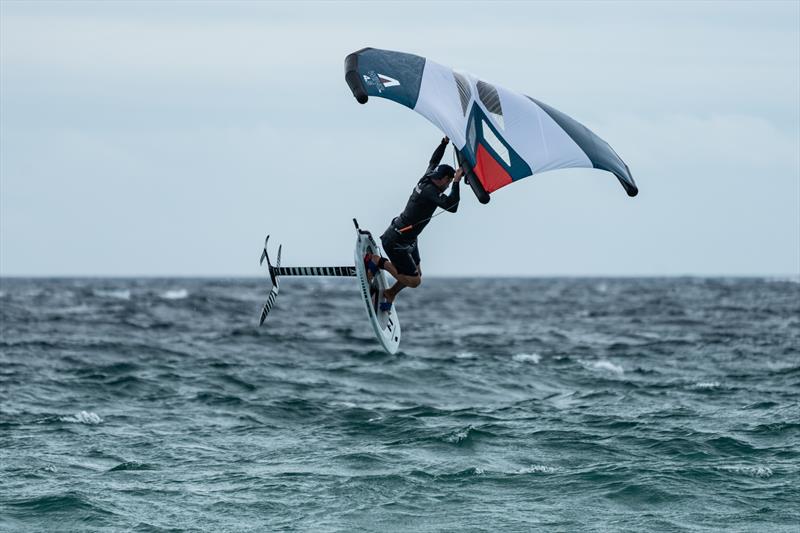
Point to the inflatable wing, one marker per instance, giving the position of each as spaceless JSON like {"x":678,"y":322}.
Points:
{"x":501,"y":136}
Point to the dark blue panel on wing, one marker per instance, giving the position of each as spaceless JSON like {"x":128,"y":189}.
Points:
{"x":596,"y":149}
{"x":393,"y":75}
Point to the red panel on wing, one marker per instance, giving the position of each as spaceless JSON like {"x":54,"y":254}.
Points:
{"x":489,"y":171}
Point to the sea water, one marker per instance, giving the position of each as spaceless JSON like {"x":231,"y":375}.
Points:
{"x":513,"y":405}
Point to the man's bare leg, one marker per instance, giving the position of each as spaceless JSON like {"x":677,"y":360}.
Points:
{"x":403,"y":280}
{"x":391,"y":292}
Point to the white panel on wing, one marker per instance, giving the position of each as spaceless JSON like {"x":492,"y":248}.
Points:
{"x":496,"y":144}
{"x":536,"y":137}
{"x":498,"y":120}
{"x":440,"y":103}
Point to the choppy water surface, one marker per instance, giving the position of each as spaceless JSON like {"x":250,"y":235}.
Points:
{"x":553,"y":404}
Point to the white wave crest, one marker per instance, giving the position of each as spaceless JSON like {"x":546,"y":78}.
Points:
{"x":120,"y":294}
{"x":459,"y":436}
{"x":706,"y":385}
{"x":175,"y":294}
{"x":466,"y":355}
{"x":607,"y":365}
{"x":536,"y":469}
{"x":754,"y":471}
{"x":782,"y":279}
{"x":74,"y":310}
{"x":527,"y":358}
{"x":84,"y":417}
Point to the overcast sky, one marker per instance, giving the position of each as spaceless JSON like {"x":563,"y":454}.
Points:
{"x":170,"y":138}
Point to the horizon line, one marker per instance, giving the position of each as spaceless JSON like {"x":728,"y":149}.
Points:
{"x":788,"y":276}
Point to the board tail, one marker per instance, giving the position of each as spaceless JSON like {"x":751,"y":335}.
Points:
{"x":273,"y":274}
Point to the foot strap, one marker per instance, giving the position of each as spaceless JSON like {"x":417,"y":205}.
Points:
{"x":381,"y":262}
{"x":372,"y":267}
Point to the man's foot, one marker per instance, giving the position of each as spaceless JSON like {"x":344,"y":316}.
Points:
{"x":371,"y":267}
{"x":388,"y":299}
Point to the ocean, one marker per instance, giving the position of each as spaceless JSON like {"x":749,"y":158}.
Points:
{"x":513,"y":405}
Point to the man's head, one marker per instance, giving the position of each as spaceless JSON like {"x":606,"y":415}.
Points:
{"x":441,"y":176}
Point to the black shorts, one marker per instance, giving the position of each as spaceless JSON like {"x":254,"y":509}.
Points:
{"x":403,"y":254}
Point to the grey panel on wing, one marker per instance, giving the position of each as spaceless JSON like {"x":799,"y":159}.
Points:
{"x":596,"y":149}
{"x":464,"y":92}
{"x":489,"y":97}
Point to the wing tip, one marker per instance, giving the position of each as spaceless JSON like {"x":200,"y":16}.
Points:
{"x":353,"y":78}
{"x":627,"y":183}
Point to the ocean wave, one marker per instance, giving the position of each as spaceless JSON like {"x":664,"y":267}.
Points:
{"x":119,"y":294}
{"x":636,"y":494}
{"x":731,"y":446}
{"x":536,"y":469}
{"x":131,"y":466}
{"x":216,"y":398}
{"x":527,"y":358}
{"x":782,"y":279}
{"x":783,"y":369}
{"x":490,"y":471}
{"x":50,"y":469}
{"x":707,"y":385}
{"x":74,"y":310}
{"x":467,"y":472}
{"x":777,"y":428}
{"x":175,"y":294}
{"x":605,"y":365}
{"x":761,"y":405}
{"x":467,"y":435}
{"x":748,"y":470}
{"x":84,"y":417}
{"x":459,"y":436}
{"x":55,"y":503}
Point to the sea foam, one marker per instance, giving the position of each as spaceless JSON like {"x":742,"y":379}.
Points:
{"x":527,"y":358}
{"x":753,"y":471}
{"x":604,"y":364}
{"x":536,"y":469}
{"x":120,"y":294}
{"x":707,"y":385}
{"x":84,"y":417}
{"x":175,"y":294}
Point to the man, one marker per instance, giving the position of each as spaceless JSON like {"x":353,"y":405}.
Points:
{"x":400,"y":238}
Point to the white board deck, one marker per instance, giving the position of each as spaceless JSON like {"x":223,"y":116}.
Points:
{"x":385,"y":324}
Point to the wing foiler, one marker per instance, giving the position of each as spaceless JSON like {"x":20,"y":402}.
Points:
{"x":500,"y":135}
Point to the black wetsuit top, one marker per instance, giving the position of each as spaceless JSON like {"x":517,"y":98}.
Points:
{"x":424,"y":200}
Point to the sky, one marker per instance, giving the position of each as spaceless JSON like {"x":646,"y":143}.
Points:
{"x":168,"y":139}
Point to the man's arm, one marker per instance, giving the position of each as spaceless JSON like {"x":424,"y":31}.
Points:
{"x":445,"y":201}
{"x":455,"y":195}
{"x":438,"y":154}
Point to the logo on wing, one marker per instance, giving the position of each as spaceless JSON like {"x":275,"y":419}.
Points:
{"x":387,"y":81}
{"x":380,"y":81}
